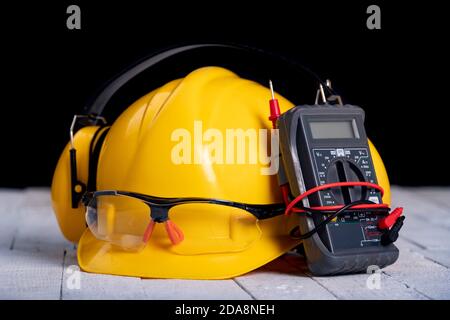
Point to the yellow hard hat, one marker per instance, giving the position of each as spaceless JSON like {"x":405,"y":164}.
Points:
{"x":142,"y":156}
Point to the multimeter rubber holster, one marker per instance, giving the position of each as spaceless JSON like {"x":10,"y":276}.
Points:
{"x":322,"y":144}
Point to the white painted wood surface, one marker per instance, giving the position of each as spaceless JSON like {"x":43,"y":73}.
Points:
{"x":36,"y":261}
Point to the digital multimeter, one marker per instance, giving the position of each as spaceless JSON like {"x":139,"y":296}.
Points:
{"x":322,"y":144}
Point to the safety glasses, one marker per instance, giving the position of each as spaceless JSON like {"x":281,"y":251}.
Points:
{"x":128,"y":220}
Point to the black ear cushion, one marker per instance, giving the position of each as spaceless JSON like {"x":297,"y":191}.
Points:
{"x":95,"y":148}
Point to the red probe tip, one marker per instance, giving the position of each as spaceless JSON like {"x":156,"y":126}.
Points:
{"x":271,"y":89}
{"x":274,"y":107}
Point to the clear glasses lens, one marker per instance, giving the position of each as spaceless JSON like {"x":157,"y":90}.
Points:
{"x":120,"y":220}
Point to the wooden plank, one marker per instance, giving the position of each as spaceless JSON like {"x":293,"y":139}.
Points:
{"x":30,"y":274}
{"x":34,"y":264}
{"x":283,"y":278}
{"x":10,"y":197}
{"x":97,"y":286}
{"x":10,"y":202}
{"x":425,"y":235}
{"x":38,"y":231}
{"x":421,"y":274}
{"x":439,"y":255}
{"x":193,"y":289}
{"x":438,"y":195}
{"x":423,"y":209}
{"x":37,"y":197}
{"x":426,"y":225}
{"x":355,"y":286}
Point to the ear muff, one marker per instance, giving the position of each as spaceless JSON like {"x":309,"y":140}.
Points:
{"x":87,"y":142}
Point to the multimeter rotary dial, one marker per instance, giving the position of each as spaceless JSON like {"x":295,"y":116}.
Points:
{"x":342,"y":170}
{"x":343,"y":165}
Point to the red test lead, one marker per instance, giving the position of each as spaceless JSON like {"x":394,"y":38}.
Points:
{"x":389,"y":221}
{"x":274,"y":115}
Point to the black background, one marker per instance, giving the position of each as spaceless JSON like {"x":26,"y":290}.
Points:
{"x":397,"y":74}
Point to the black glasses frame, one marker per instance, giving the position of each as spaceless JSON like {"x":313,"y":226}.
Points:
{"x":160,"y":206}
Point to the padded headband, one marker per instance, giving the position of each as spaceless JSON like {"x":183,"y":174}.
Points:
{"x":99,"y":103}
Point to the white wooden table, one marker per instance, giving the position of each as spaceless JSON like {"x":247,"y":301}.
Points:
{"x":36,"y":261}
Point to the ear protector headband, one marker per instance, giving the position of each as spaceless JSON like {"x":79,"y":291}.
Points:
{"x":99,"y":103}
{"x":95,"y":109}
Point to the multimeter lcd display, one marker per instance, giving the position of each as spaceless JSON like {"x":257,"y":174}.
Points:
{"x":333,"y":129}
